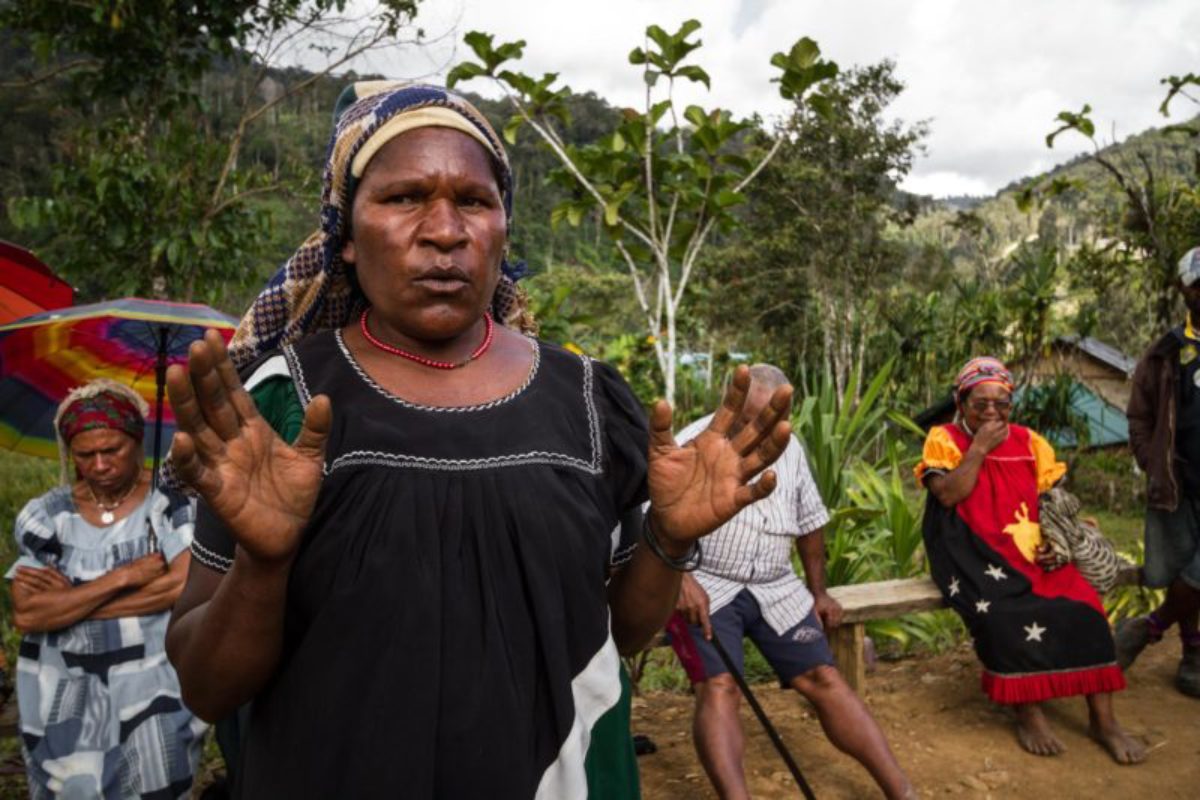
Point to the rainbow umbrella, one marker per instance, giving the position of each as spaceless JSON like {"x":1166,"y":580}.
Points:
{"x":131,"y":341}
{"x":27,"y":286}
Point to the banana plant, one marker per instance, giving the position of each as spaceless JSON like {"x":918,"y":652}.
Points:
{"x":1133,"y":601}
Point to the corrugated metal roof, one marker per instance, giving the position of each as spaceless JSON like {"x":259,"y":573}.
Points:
{"x":1107,"y":424}
{"x":1102,"y":352}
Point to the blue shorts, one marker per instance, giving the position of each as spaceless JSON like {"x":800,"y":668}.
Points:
{"x":800,"y":649}
{"x":1173,"y":545}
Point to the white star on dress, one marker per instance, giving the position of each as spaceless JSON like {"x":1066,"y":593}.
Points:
{"x":995,"y":572}
{"x":954,"y":586}
{"x":1034,"y":632}
{"x":982,"y":606}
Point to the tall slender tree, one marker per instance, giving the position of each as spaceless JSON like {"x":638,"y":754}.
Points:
{"x":664,"y":179}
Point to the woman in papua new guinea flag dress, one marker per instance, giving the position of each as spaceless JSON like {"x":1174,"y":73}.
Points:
{"x":1040,"y":633}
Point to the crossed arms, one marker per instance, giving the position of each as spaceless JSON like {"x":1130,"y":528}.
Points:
{"x":46,"y":600}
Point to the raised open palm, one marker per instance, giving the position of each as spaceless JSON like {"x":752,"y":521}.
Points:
{"x":696,"y":488}
{"x":259,"y":486}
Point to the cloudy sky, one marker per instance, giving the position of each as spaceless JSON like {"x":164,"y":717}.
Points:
{"x":988,"y":76}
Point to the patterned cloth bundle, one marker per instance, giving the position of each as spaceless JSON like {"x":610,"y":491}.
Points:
{"x":1078,"y":540}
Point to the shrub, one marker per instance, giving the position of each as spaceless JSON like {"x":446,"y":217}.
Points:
{"x":1107,"y":479}
{"x":22,"y":478}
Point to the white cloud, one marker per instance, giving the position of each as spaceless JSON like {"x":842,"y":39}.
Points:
{"x":946,"y":184}
{"x":989,"y":77}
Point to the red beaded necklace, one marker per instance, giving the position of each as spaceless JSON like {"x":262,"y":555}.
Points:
{"x":430,"y":362}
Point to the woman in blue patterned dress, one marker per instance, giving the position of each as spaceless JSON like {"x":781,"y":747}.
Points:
{"x":101,"y":561}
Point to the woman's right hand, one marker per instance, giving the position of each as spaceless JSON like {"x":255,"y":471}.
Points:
{"x":990,"y":435}
{"x":261,"y":488}
{"x":1046,"y":558}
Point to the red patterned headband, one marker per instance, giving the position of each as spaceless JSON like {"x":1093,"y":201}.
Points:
{"x":105,"y":410}
{"x":984,"y":369}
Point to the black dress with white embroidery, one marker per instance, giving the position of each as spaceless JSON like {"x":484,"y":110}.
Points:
{"x":447,"y":628}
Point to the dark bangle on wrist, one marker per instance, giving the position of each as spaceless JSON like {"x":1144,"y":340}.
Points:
{"x":690,"y":561}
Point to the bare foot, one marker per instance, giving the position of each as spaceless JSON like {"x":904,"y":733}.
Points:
{"x":1123,"y":748}
{"x":1033,"y":732}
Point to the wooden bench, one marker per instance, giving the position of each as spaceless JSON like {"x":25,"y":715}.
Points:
{"x":864,"y":602}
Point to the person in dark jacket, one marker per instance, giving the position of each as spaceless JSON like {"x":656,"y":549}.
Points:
{"x":1164,"y":432}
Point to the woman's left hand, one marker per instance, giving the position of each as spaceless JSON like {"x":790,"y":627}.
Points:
{"x":696,"y":488}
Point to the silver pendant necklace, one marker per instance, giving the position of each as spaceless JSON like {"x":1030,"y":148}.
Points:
{"x":106,"y":510}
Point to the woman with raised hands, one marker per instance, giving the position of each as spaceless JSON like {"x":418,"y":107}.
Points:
{"x":421,"y":548}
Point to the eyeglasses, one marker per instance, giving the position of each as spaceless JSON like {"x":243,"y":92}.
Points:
{"x":981,"y":405}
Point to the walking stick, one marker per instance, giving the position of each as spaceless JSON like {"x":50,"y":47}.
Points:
{"x":766,"y":723}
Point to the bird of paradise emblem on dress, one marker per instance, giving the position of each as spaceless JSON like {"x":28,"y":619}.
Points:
{"x":1026,"y":533}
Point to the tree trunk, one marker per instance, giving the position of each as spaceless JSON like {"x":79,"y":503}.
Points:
{"x":672,"y":360}
{"x":859,"y":359}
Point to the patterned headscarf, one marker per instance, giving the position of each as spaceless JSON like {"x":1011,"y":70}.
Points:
{"x":312,"y":292}
{"x":983,"y":369}
{"x":100,"y":403}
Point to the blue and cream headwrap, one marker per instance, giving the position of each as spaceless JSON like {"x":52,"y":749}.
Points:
{"x":311,"y":292}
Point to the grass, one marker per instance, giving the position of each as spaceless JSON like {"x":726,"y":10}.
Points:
{"x":1106,"y":479}
{"x":1123,"y":530}
{"x":22,"y":478}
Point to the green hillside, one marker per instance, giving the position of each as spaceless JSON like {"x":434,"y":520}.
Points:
{"x":1077,"y":212}
{"x":1080,"y":209}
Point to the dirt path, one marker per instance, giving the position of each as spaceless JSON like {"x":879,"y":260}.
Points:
{"x":952,"y":741}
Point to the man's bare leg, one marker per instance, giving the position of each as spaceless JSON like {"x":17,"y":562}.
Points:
{"x":717,"y":733}
{"x":851,"y":728}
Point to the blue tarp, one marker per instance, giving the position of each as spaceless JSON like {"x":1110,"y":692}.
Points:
{"x":1107,"y":424}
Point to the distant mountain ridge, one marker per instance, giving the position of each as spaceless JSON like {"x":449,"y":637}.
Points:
{"x":1073,"y":213}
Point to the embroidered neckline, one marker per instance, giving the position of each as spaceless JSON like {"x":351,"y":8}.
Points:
{"x":592,"y":466}
{"x":353,"y":362}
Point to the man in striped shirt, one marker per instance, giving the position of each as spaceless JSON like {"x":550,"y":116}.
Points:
{"x":746,"y":587}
